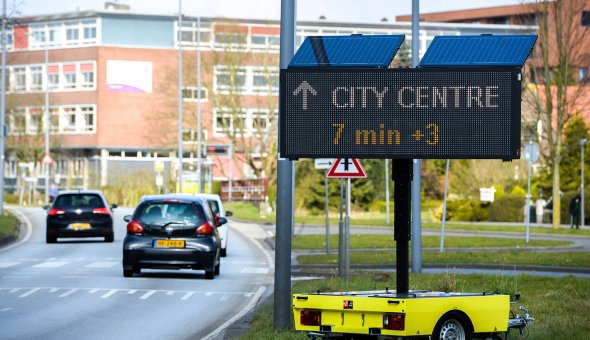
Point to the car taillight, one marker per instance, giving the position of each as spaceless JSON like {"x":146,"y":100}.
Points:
{"x":310,"y":317}
{"x":54,"y":211}
{"x":102,"y":211}
{"x":204,"y":229}
{"x":394,"y":322}
{"x":134,"y":227}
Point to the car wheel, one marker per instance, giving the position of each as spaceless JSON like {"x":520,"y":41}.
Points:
{"x":452,"y":326}
{"x":223,"y":252}
{"x":210,"y":274}
{"x":109,"y":238}
{"x":217,"y":267}
{"x":50,"y":239}
{"x":127,"y":272}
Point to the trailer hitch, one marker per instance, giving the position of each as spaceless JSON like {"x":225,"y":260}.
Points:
{"x":520,"y":321}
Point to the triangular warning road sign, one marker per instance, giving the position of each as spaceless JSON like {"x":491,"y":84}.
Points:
{"x":347,"y":168}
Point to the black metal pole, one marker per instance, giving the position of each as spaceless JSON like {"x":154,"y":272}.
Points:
{"x":402,"y":196}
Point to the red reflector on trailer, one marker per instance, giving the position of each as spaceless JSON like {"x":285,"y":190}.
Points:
{"x":394,"y":322}
{"x":310,"y":317}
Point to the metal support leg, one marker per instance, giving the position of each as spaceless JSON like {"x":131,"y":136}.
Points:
{"x":402,"y":197}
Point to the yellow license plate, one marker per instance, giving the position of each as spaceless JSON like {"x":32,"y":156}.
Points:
{"x":80,"y":226}
{"x":168,"y":243}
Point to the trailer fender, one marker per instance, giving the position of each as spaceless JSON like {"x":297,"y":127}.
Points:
{"x":455,"y":321}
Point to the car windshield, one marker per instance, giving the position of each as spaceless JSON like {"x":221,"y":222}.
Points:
{"x":161,"y":213}
{"x":79,"y":201}
{"x":214,"y":207}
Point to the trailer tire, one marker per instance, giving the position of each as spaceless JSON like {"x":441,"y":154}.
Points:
{"x":452,"y":325}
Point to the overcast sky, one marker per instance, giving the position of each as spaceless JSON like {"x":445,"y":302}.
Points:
{"x":361,"y":11}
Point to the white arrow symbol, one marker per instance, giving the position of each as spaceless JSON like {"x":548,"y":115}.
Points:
{"x":304,"y":87}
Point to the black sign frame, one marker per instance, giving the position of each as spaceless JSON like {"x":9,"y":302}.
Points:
{"x":515,"y":89}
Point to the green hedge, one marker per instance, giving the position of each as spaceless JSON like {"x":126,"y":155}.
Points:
{"x":508,"y":208}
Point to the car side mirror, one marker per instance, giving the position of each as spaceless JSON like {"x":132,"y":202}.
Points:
{"x":114,"y":206}
{"x":221,"y":221}
{"x":45,"y":207}
{"x":127,"y":218}
{"x":229,"y":214}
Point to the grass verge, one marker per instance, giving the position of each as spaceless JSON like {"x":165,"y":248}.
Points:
{"x":8,"y":226}
{"x":250,"y":212}
{"x":506,"y":258}
{"x":557,"y":304}
{"x":386,"y":241}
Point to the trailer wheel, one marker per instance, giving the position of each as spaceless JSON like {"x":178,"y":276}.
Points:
{"x":452,"y":326}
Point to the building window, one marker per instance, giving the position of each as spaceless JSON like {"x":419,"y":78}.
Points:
{"x":89,"y":31}
{"x":72,"y":34}
{"x":55,"y":34}
{"x":88,"y":118}
{"x":230,"y":38}
{"x":583,"y":74}
{"x":69,"y":119}
{"x":190,"y":94}
{"x":248,"y":122}
{"x":53,"y":77}
{"x":54,"y":120}
{"x":17,"y":122}
{"x":230,"y":79}
{"x":69,"y":76}
{"x":37,"y":36}
{"x":35,"y":121}
{"x":585,"y":18}
{"x":31,"y":78}
{"x":19,"y":82}
{"x":265,"y":81}
{"x":36,"y":78}
{"x":265,"y":41}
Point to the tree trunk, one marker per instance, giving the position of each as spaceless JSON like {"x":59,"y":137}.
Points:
{"x":556,"y":197}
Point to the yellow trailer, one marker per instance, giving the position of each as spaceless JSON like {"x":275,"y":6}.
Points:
{"x":416,"y":314}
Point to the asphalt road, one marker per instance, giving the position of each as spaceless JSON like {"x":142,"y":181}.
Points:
{"x":75,"y":289}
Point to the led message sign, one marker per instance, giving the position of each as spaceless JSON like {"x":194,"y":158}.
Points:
{"x":400,"y":113}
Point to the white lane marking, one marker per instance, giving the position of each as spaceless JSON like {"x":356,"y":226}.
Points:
{"x":69,"y":292}
{"x":208,"y":294}
{"x":132,"y":291}
{"x":6,"y":309}
{"x":50,"y":264}
{"x":170,"y":292}
{"x":92,"y":291}
{"x":225,"y":297}
{"x":147,"y":295}
{"x":6,"y":264}
{"x":28,"y":228}
{"x":108,"y":295}
{"x":53,"y":290}
{"x":16,"y":277}
{"x":270,"y":233}
{"x":14,"y":290}
{"x":237,"y":316}
{"x":32,"y":291}
{"x":187,"y":296}
{"x":101,"y":264}
{"x":247,"y":295}
{"x":252,"y":270}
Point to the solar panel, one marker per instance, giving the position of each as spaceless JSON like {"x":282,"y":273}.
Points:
{"x":347,"y":51}
{"x":480,"y":50}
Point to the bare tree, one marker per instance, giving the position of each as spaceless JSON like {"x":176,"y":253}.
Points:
{"x":553,"y":95}
{"x":253,"y":137}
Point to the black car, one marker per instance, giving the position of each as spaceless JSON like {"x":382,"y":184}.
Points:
{"x":80,"y":213}
{"x":171,"y":232}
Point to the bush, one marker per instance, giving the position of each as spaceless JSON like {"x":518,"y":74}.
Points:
{"x":518,"y":191}
{"x":380,"y":206}
{"x":507,"y":208}
{"x":465,"y":210}
{"x":11,"y":198}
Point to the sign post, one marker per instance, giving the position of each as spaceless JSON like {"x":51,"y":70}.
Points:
{"x":325,"y":163}
{"x":531,"y":155}
{"x":346,"y":169}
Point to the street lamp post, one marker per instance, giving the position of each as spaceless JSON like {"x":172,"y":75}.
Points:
{"x":582,"y":143}
{"x":2,"y":106}
{"x":46,"y":118}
